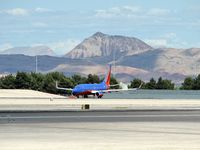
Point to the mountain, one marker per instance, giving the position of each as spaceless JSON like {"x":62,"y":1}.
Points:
{"x":169,"y":60}
{"x":14,"y":63}
{"x":97,"y":69}
{"x":30,"y":51}
{"x":101,"y":44}
{"x":133,"y":59}
{"x":183,"y":61}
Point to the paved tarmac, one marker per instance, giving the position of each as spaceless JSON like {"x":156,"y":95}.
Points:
{"x":100,"y":130}
{"x":36,"y":121}
{"x":55,"y":104}
{"x":100,"y":116}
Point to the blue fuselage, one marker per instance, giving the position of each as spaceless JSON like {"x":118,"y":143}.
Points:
{"x":86,"y":89}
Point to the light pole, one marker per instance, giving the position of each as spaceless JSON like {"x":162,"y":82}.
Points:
{"x":114,"y":63}
{"x":36,"y":64}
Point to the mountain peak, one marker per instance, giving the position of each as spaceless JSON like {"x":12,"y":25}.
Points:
{"x":99,"y":34}
{"x":100,"y":44}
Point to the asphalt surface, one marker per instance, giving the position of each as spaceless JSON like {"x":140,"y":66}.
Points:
{"x":100,"y":116}
{"x":100,"y":130}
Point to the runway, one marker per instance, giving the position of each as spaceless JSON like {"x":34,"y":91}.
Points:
{"x":100,"y":130}
{"x":46,"y":122}
{"x":101,"y":116}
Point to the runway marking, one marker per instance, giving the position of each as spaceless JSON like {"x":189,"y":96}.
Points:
{"x":107,"y":116}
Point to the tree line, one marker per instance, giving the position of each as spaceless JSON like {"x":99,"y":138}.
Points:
{"x":46,"y":82}
{"x":153,"y":84}
{"x":191,"y":83}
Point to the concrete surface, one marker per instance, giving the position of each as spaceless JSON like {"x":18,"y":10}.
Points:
{"x":23,"y":100}
{"x":19,"y":93}
{"x":103,"y":135}
{"x":141,"y":129}
{"x":96,"y":104}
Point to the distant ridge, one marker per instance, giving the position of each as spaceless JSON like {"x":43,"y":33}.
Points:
{"x":100,"y":44}
{"x":30,"y":51}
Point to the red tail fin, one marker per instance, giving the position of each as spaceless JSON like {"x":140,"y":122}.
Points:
{"x":107,"y":79}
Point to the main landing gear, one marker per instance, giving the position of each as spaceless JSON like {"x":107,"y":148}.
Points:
{"x":98,"y":95}
{"x":86,"y":96}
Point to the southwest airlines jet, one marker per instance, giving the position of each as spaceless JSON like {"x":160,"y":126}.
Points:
{"x":95,"y":89}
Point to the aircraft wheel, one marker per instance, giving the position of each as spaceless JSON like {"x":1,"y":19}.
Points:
{"x":97,"y":94}
{"x":85,"y":96}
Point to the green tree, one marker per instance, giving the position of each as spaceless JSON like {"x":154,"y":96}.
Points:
{"x":196,"y":83}
{"x":164,"y":84}
{"x":7,"y":82}
{"x":49,"y":84}
{"x":168,"y":84}
{"x":135,"y":83}
{"x":159,"y":84}
{"x":77,"y":79}
{"x":93,"y":79}
{"x":37,"y":81}
{"x":151,"y":84}
{"x":23,"y":80}
{"x":188,"y":84}
{"x":66,"y":83}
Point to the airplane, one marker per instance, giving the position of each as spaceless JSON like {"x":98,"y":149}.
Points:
{"x":95,"y":89}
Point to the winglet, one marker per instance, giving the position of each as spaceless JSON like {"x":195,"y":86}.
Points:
{"x":140,"y":85}
{"x":57,"y":84}
{"x":60,"y":88}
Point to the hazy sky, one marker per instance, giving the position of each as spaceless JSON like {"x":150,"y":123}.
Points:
{"x":61,"y":24}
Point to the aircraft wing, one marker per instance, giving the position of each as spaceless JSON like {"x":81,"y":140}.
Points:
{"x":61,"y":88}
{"x":124,"y":88}
{"x":114,"y":85}
{"x":119,"y":90}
